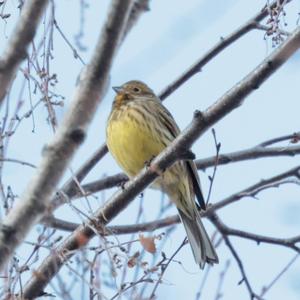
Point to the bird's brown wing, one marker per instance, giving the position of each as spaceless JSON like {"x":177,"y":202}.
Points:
{"x":196,"y":183}
{"x":168,"y":121}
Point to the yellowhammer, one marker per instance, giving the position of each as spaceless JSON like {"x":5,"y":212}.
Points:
{"x":139,"y":128}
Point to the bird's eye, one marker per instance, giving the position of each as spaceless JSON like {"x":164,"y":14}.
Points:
{"x":136,"y":90}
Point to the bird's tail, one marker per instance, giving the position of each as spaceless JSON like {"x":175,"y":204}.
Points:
{"x":201,"y":245}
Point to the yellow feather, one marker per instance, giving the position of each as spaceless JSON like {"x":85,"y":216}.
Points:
{"x":131,"y":144}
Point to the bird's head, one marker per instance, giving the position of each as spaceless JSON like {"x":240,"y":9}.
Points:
{"x":132,"y":90}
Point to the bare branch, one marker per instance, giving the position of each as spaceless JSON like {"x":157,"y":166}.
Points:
{"x":227,"y":231}
{"x":69,"y":136}
{"x":247,"y":154}
{"x":21,"y":162}
{"x":114,"y":230}
{"x":75,"y":52}
{"x":295,"y":137}
{"x":99,"y":185}
{"x":245,"y":279}
{"x":164,"y":267}
{"x":285,"y":242}
{"x":16,"y":49}
{"x":265,"y":289}
{"x":150,"y":226}
{"x":219,"y":294}
{"x":269,"y":29}
{"x":211,"y":178}
{"x":254,"y":189}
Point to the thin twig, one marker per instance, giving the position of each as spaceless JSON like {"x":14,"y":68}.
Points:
{"x":267,"y":288}
{"x":13,"y":160}
{"x":238,"y":260}
{"x":222,"y":275}
{"x":285,"y":242}
{"x":21,"y":37}
{"x":294,"y":137}
{"x":211,"y":178}
{"x":164,"y":267}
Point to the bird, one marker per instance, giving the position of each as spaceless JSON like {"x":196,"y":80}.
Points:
{"x":138,"y":128}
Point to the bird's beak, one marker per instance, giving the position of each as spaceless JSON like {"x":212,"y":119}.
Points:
{"x":117,"y":89}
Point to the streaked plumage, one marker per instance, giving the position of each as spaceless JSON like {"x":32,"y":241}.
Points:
{"x":138,"y":129}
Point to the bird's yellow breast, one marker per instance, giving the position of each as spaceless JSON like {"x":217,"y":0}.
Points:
{"x":132,"y":144}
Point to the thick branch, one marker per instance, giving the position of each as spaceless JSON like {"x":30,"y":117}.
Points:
{"x":16,"y":49}
{"x":70,"y":135}
{"x":201,"y":122}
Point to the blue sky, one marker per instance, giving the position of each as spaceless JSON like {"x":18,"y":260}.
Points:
{"x":167,"y":40}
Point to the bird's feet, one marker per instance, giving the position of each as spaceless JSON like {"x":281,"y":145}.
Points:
{"x":149,"y":161}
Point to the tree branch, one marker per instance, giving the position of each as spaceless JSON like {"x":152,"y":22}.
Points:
{"x":239,"y":262}
{"x":267,"y":288}
{"x":16,"y":49}
{"x":247,"y":154}
{"x":69,"y":136}
{"x":294,"y":138}
{"x":115,"y":230}
{"x":254,"y":189}
{"x":227,"y":231}
{"x":285,"y":242}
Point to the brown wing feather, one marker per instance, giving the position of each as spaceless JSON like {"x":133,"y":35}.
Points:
{"x":169,"y":122}
{"x":196,"y":183}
